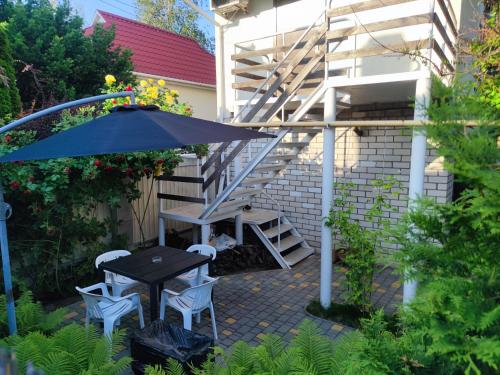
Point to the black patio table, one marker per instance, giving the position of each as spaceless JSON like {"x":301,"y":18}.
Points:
{"x":140,"y":267}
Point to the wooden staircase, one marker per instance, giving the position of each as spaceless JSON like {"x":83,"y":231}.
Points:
{"x":287,"y":77}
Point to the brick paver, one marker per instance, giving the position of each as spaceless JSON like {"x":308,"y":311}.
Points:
{"x":249,"y":305}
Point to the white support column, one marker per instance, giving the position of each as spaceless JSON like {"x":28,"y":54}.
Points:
{"x":205,"y":234}
{"x":330,"y":112}
{"x":417,"y":163}
{"x":161,"y":231}
{"x":238,"y":228}
{"x":196,"y":234}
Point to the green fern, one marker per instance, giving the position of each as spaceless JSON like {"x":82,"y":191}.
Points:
{"x":30,"y":316}
{"x":72,"y":350}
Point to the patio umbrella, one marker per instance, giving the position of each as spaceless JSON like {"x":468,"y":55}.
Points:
{"x":129,"y":129}
{"x":126,"y":129}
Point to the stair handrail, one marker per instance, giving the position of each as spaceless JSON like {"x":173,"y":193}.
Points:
{"x":302,"y":36}
{"x":225,"y":145}
{"x":279,"y":217}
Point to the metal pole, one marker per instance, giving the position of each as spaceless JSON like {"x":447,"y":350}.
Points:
{"x":5,"y":209}
{"x":417,"y":164}
{"x":330,"y":112}
{"x":60,"y":107}
{"x":5,"y":212}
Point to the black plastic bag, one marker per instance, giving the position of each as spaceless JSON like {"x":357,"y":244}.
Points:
{"x":161,"y":340}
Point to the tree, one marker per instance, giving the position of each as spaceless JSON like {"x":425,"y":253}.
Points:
{"x":56,"y":61}
{"x":9,"y":95}
{"x":175,"y":16}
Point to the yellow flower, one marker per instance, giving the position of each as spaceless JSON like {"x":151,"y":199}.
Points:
{"x":161,"y":82}
{"x":143,"y":83}
{"x":151,"y":80}
{"x":110,"y":79}
{"x":169,"y":99}
{"x":153,"y":92}
{"x":174,"y":93}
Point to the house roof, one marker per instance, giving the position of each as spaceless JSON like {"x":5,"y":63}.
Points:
{"x":160,"y":52}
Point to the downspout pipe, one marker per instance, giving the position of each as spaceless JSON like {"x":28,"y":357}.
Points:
{"x":6,"y":210}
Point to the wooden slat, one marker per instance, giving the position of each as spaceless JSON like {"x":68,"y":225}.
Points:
{"x":379,"y":26}
{"x":192,"y":180}
{"x":217,"y":153}
{"x":259,"y":52}
{"x":379,"y":50}
{"x":295,"y":60}
{"x":447,"y":15}
{"x":228,"y":159}
{"x":442,"y":56}
{"x":248,"y":62}
{"x":254,"y":68}
{"x":443,"y":33}
{"x":362,"y":6}
{"x":293,"y":86}
{"x":250,"y":76}
{"x":181,"y":198}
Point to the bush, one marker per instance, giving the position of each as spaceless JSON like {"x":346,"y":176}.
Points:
{"x":10,"y":103}
{"x":55,"y":232}
{"x":72,"y":350}
{"x":30,"y":316}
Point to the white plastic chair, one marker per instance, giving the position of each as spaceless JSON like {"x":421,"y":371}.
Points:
{"x":191,"y":278}
{"x":108,"y":309}
{"x":118,"y":283}
{"x":191,"y":301}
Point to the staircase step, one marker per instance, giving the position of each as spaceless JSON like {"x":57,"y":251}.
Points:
{"x":270,"y":167}
{"x":244,"y":193}
{"x":292,"y":144}
{"x":258,"y":216}
{"x":232,"y":205}
{"x":257,"y":181}
{"x":297,"y":255}
{"x":273,"y":232}
{"x":281,"y":157}
{"x":288,"y":242}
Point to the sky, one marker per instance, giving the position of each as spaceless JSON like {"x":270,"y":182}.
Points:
{"x":125,"y":8}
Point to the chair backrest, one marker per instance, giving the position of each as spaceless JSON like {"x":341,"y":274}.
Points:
{"x":200,"y":294}
{"x":92,"y":303}
{"x":106,"y":257}
{"x":206,"y":250}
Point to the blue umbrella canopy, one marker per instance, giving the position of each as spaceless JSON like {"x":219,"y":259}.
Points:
{"x":130,"y":129}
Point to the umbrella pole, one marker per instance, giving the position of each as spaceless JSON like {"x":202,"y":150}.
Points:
{"x":5,"y":212}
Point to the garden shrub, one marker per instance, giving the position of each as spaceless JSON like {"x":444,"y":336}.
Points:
{"x":30,"y":316}
{"x":54,"y":231}
{"x":361,"y":243}
{"x":10,"y":103}
{"x":72,"y":350}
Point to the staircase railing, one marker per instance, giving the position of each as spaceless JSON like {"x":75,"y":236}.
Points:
{"x":216,"y":155}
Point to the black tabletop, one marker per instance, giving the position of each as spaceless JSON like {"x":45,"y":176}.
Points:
{"x":140,"y":267}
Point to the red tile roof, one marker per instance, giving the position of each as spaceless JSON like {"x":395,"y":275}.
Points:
{"x":160,"y":52}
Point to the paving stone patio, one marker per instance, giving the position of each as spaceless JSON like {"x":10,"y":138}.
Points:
{"x":249,"y":305}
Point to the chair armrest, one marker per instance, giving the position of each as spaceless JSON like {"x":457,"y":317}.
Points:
{"x":99,"y":286}
{"x":132,"y":296}
{"x":170,"y":292}
{"x":209,"y":278}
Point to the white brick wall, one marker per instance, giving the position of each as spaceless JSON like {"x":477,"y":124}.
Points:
{"x":360,"y":160}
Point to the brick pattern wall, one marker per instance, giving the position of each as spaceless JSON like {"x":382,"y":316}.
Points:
{"x":379,"y":152}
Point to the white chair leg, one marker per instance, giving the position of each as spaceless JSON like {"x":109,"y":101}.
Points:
{"x":108,"y":326}
{"x":212,"y":317}
{"x":87,"y":320}
{"x":198,"y":318}
{"x":141,"y":316}
{"x":188,"y":317}
{"x":162,"y":307}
